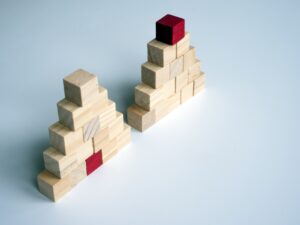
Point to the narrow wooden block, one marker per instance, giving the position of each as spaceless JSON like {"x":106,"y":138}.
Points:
{"x":155,"y":76}
{"x":166,"y":106}
{"x":194,"y":70}
{"x":176,"y":67}
{"x":189,"y":58}
{"x":147,"y":97}
{"x":91,"y":128}
{"x":139,"y":118}
{"x":116,"y":126}
{"x":108,"y":113}
{"x":93,"y":162}
{"x":55,"y":188}
{"x":199,"y":83}
{"x":170,"y":29}
{"x":101,"y":139}
{"x":63,"y":139}
{"x":183,"y":45}
{"x":187,"y":92}
{"x":181,"y":81}
{"x":160,"y":53}
{"x":109,"y":147}
{"x":61,"y":165}
{"x":80,"y":87}
{"x":74,"y":116}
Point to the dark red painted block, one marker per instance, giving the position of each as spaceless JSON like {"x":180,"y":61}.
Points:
{"x":170,"y":29}
{"x":93,"y":162}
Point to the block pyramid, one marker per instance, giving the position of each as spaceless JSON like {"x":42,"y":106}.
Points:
{"x":89,"y":132}
{"x":170,"y":77}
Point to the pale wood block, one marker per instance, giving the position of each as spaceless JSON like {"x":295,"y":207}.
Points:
{"x":160,"y":53}
{"x":166,"y":106}
{"x":183,"y":45}
{"x":103,"y":92}
{"x":109,"y":147}
{"x":194,"y":70}
{"x":189,"y":58}
{"x":181,"y":81}
{"x":61,"y":165}
{"x":139,"y":118}
{"x":55,"y":188}
{"x":187,"y":92}
{"x":63,"y":139}
{"x":109,"y":156}
{"x":74,"y":116}
{"x":108,"y":114}
{"x":101,"y":139}
{"x":80,"y":87}
{"x":199,"y":83}
{"x":91,"y":128}
{"x":147,"y":97}
{"x":155,"y":76}
{"x":116,"y":126}
{"x":176,"y":67}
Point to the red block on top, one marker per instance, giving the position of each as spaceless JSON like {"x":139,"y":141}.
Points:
{"x":93,"y":162}
{"x":170,"y":29}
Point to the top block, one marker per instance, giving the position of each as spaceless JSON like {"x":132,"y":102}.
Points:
{"x":170,"y":29}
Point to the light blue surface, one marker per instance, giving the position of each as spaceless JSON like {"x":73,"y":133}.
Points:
{"x":228,"y":156}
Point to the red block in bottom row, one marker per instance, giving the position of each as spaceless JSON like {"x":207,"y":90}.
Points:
{"x":93,"y":162}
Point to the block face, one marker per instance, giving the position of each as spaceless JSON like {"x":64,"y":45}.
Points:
{"x":63,"y":139}
{"x":116,"y":126}
{"x":160,"y":53}
{"x":183,"y":45}
{"x":140,"y":119}
{"x":176,"y":67}
{"x":170,"y":29}
{"x":194,"y":70}
{"x":91,"y":128}
{"x":80,"y":87}
{"x":199,"y":83}
{"x":166,"y":106}
{"x":189,"y":58}
{"x":187,"y":92}
{"x":181,"y":81}
{"x":155,"y":76}
{"x":93,"y":162}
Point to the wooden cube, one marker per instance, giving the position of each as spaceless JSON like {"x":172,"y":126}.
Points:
{"x":194,"y":70}
{"x":183,"y":45}
{"x":147,"y":97}
{"x":101,"y":139}
{"x":80,"y":87}
{"x":176,"y":67}
{"x":170,"y":29}
{"x":116,"y":126}
{"x":63,"y":139}
{"x":108,"y":113}
{"x":166,"y":106}
{"x":139,"y":118}
{"x":155,"y":76}
{"x":91,"y":128}
{"x":187,"y":92}
{"x":181,"y":81}
{"x":55,"y":188}
{"x":199,"y":83}
{"x":189,"y":58}
{"x":160,"y":53}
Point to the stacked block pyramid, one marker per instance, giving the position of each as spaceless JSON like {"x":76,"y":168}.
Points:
{"x":89,"y":132}
{"x":170,"y":77}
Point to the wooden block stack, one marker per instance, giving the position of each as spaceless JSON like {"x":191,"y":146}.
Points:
{"x":89,"y":132}
{"x":170,"y":77}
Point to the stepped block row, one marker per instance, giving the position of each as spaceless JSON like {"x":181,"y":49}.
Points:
{"x":89,"y":132}
{"x":171,"y":75}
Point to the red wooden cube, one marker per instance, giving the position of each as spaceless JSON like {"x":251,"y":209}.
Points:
{"x":170,"y":29}
{"x":93,"y":162}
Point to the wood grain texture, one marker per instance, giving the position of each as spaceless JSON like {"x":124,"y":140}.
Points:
{"x":139,"y":118}
{"x":176,"y":67}
{"x":91,"y":128}
{"x":166,"y":106}
{"x":155,"y":76}
{"x":160,"y":53}
{"x":183,"y":45}
{"x":181,"y":81}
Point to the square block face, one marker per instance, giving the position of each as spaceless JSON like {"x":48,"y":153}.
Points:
{"x":170,"y":29}
{"x":91,"y":128}
{"x":176,"y":67}
{"x":160,"y":53}
{"x":155,"y":76}
{"x":93,"y":162}
{"x":187,"y":92}
{"x":80,"y":87}
{"x":139,"y":118}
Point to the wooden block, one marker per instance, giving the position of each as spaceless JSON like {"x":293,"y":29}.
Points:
{"x":199,"y":83}
{"x":74,"y":116}
{"x":93,"y":162}
{"x":189,"y":58}
{"x":63,"y":139}
{"x":139,"y":118}
{"x":181,"y":81}
{"x":155,"y":76}
{"x":91,"y":128}
{"x":108,"y":113}
{"x":166,"y":106}
{"x":170,"y":29}
{"x":147,"y":97}
{"x":176,"y":67}
{"x":183,"y":45}
{"x":109,"y":147}
{"x":55,"y":188}
{"x":194,"y":70}
{"x":103,"y":92}
{"x":61,"y":165}
{"x":187,"y":92}
{"x":101,"y":139}
{"x":116,"y":126}
{"x":80,"y":87}
{"x":160,"y":53}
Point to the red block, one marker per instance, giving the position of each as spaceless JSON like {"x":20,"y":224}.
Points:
{"x":170,"y":29}
{"x":93,"y":162}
